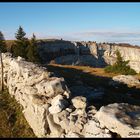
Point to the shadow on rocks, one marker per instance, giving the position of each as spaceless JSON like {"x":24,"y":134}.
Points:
{"x":95,"y":88}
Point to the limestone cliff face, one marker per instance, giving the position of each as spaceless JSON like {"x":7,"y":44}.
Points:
{"x":128,"y":53}
{"x":52,"y":49}
{"x":88,"y":53}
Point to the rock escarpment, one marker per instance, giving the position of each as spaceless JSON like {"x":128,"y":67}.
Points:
{"x":88,"y":53}
{"x":123,"y":119}
{"x":52,"y":112}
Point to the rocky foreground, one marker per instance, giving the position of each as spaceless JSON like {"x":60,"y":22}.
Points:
{"x":51,"y":111}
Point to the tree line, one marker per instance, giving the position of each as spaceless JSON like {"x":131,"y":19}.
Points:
{"x":22,"y":46}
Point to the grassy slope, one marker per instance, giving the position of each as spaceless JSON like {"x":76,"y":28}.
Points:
{"x":12,"y":122}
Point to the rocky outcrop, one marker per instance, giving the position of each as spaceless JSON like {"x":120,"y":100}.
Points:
{"x":51,"y":111}
{"x":123,"y":119}
{"x":55,"y":48}
{"x":88,"y":53}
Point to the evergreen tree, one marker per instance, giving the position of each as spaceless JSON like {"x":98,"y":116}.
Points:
{"x":20,"y":45}
{"x":2,"y":43}
{"x":32,"y":51}
{"x":2,"y":50}
{"x":20,"y":35}
{"x":121,"y":66}
{"x":119,"y":58}
{"x":120,"y":62}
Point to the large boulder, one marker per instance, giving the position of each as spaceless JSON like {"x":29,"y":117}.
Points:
{"x":123,"y":119}
{"x":52,"y":87}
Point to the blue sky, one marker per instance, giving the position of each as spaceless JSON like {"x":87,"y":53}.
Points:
{"x":101,"y":22}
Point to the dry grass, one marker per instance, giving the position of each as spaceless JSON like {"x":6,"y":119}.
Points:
{"x":87,"y":69}
{"x":9,"y":43}
{"x":12,"y":122}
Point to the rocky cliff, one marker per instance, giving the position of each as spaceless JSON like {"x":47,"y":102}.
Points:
{"x":88,"y":53}
{"x":52,"y":112}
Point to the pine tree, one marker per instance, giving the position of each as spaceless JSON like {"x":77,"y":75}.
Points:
{"x":32,"y":51}
{"x":20,"y":35}
{"x":119,"y":58}
{"x":120,"y":62}
{"x":121,"y":66}
{"x":2,"y":49}
{"x":2,"y":43}
{"x":20,"y":45}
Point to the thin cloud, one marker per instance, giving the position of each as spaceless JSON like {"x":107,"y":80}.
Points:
{"x":109,"y":34}
{"x":130,"y":37}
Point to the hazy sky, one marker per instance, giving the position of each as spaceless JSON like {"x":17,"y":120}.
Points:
{"x":101,"y":22}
